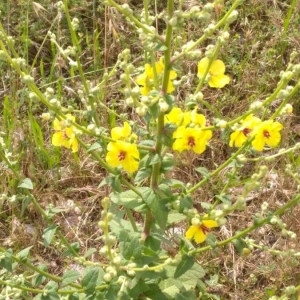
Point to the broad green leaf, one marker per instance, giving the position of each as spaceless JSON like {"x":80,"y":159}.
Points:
{"x":142,"y":174}
{"x":69,"y":277}
{"x":158,"y":207}
{"x":167,"y":163}
{"x":89,"y":252}
{"x":6,"y":262}
{"x":26,"y":183}
{"x":156,"y":293}
{"x":175,"y":217}
{"x":75,"y":246}
{"x":95,"y":146}
{"x":49,"y":234}
{"x":224,"y":198}
{"x":185,"y":264}
{"x":185,"y":203}
{"x":174,"y":183}
{"x":203,"y":171}
{"x":25,"y":202}
{"x":154,"y":160}
{"x":137,"y":287}
{"x":132,"y":248}
{"x":89,"y":281}
{"x":23,"y":254}
{"x":130,"y":199}
{"x":39,"y":279}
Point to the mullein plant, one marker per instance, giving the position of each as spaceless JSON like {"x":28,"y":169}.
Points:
{"x":139,"y":156}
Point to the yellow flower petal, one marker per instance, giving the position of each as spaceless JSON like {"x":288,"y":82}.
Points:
{"x":57,"y":139}
{"x":191,"y":232}
{"x":202,"y":66}
{"x":121,"y":132}
{"x":56,"y":124}
{"x":210,"y":223}
{"x":199,"y":236}
{"x":218,"y":81}
{"x":217,"y":67}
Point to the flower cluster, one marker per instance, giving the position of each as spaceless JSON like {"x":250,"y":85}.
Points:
{"x":262,"y":132}
{"x":64,"y":135}
{"x":190,"y":133}
{"x":122,"y":152}
{"x":146,"y":80}
{"x":216,"y":77}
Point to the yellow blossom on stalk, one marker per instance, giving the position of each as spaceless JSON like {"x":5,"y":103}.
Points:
{"x":64,"y":136}
{"x":216,"y":76}
{"x":123,"y":154}
{"x":267,"y":133}
{"x":178,"y":117}
{"x":146,"y":79}
{"x":242,"y":134}
{"x":199,"y":232}
{"x":191,"y":139}
{"x":197,"y":119}
{"x":123,"y":133}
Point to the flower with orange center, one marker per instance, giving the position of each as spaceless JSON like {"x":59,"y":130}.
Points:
{"x":244,"y":132}
{"x":216,"y":77}
{"x":199,"y":232}
{"x":123,"y":154}
{"x":191,"y":139}
{"x":64,"y":135}
{"x":267,"y":133}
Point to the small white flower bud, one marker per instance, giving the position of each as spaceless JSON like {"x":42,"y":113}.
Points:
{"x":46,"y":116}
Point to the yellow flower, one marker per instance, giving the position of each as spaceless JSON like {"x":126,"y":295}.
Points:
{"x":216,"y":78}
{"x":191,"y":139}
{"x":123,"y":154}
{"x":64,"y":135}
{"x":146,"y":79}
{"x":267,"y":133}
{"x":118,"y":133}
{"x":199,"y":233}
{"x":178,"y":117}
{"x":197,"y":119}
{"x":241,"y":135}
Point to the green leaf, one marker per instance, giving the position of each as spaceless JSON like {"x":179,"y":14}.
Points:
{"x":203,"y":171}
{"x":95,"y":146}
{"x":39,"y":278}
{"x":75,"y":246}
{"x":26,"y":184}
{"x":23,"y":254}
{"x":156,"y":293}
{"x":142,"y":174}
{"x":224,"y":198}
{"x":185,"y":264}
{"x":132,"y":248}
{"x":89,"y":281}
{"x":6,"y":262}
{"x":25,"y":202}
{"x":130,"y":199}
{"x":185,"y":203}
{"x":89,"y":252}
{"x":167,"y":163}
{"x":158,"y":207}
{"x":174,"y":183}
{"x":175,"y":217}
{"x":137,"y":287}
{"x":69,"y":277}
{"x":239,"y":245}
{"x":154,"y":160}
{"x":49,"y":234}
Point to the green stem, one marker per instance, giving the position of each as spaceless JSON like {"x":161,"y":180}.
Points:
{"x":134,"y":20}
{"x":219,"y":169}
{"x":81,"y":73}
{"x":38,"y":207}
{"x":206,"y":35}
{"x":243,"y":233}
